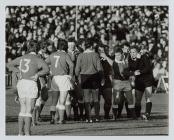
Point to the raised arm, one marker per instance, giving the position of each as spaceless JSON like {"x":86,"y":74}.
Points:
{"x":110,"y":61}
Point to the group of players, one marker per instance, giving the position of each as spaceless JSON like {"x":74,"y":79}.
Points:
{"x":76,"y":77}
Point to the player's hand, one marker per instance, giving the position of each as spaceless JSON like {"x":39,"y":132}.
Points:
{"x":102,"y":82}
{"x":17,"y":99}
{"x":102,"y":54}
{"x":137,"y":72}
{"x":35,"y":77}
{"x":132,"y":78}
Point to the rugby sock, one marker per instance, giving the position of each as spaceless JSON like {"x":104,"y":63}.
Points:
{"x":148,"y":108}
{"x":68,"y":111}
{"x":61,"y":115}
{"x":52,"y":113}
{"x":21,"y":125}
{"x":120,"y":108}
{"x":88,"y":110}
{"x":61,"y":110}
{"x":138,"y":110}
{"x":97,"y":109}
{"x":115,"y":111}
{"x":127,"y":110}
{"x":40,"y":109}
{"x":81,"y":108}
{"x":107,"y":109}
{"x":75,"y":110}
{"x":132,"y":113}
{"x":27,"y":125}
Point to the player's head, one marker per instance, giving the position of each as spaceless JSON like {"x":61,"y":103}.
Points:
{"x":32,"y":46}
{"x":119,"y":54}
{"x":71,"y":44}
{"x":89,"y":44}
{"x":62,"y":45}
{"x":133,"y":52}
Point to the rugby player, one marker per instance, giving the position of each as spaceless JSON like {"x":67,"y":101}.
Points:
{"x":90,"y":69}
{"x":121,"y":83}
{"x":61,"y":67}
{"x":106,"y":89}
{"x":142,"y":69}
{"x":30,"y":67}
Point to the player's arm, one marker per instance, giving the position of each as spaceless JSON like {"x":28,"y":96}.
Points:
{"x":12,"y":66}
{"x":110,"y":61}
{"x":48,"y":60}
{"x":70,"y":64}
{"x":43,"y":66}
{"x":147,"y":65}
{"x":78,"y":66}
{"x":100,"y":69}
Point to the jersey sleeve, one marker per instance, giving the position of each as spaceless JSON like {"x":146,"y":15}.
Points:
{"x":147,"y":66}
{"x":48,"y":60}
{"x":78,"y":65}
{"x":99,"y":67}
{"x":43,"y":66}
{"x":12,"y":66}
{"x":70,"y":64}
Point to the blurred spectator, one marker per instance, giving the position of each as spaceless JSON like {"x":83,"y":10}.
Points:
{"x":108,"y":25}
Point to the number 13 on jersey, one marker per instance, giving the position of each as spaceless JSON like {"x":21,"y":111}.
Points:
{"x":24,"y":65}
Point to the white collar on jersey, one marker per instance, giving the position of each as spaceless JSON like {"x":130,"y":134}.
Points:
{"x":33,"y":53}
{"x":120,"y":62}
{"x":88,"y":51}
{"x":61,"y":51}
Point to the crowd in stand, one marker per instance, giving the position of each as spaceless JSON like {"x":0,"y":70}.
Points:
{"x":114,"y":26}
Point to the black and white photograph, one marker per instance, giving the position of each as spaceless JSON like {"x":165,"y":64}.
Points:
{"x":86,"y":70}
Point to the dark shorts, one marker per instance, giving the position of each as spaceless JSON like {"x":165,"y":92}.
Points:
{"x":108,"y":83}
{"x":90,"y":81}
{"x":143,"y":81}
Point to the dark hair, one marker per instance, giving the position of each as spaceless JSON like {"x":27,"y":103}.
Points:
{"x":32,"y":46}
{"x":119,"y":50}
{"x":62,"y":45}
{"x":88,"y":43}
{"x":134,"y":47}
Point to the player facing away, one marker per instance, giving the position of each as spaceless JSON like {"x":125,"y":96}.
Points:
{"x":143,"y":81}
{"x":121,"y":83}
{"x":30,"y":67}
{"x":61,"y":68}
{"x":90,"y":69}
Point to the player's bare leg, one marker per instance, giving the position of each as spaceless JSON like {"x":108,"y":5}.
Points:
{"x":61,"y":107}
{"x":30,"y":103}
{"x":21,"y":116}
{"x":55,"y":96}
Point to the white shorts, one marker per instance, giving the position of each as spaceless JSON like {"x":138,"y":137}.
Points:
{"x":27,"y":89}
{"x":62,"y":83}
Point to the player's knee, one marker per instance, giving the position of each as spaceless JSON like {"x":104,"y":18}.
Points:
{"x":60,"y":107}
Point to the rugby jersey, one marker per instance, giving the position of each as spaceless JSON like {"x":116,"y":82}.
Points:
{"x":29,"y":65}
{"x":88,"y":62}
{"x":60,"y":63}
